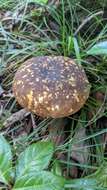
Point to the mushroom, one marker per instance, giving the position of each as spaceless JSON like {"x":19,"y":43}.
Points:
{"x":51,"y":86}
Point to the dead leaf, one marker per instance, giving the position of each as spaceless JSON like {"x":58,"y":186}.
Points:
{"x":18,"y":116}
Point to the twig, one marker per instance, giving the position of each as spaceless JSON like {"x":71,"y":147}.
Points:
{"x":33,"y":122}
{"x":87,"y":20}
{"x":18,"y":116}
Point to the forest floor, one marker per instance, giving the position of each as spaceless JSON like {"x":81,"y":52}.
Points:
{"x":57,"y":27}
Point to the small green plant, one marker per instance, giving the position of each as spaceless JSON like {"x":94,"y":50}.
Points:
{"x":29,"y":172}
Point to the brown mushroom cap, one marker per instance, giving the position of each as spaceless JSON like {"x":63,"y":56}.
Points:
{"x":51,"y":86}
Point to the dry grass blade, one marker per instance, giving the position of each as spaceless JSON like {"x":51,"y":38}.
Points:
{"x":1,"y":90}
{"x":87,"y":20}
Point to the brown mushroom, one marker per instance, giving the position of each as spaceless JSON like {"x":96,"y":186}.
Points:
{"x":51,"y":86}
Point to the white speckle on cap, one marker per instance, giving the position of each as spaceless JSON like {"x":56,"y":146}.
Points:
{"x":71,"y":110}
{"x":67,"y":97}
{"x":30,"y":98}
{"x":29,"y":70}
{"x":40,"y":98}
{"x":19,"y":82}
{"x":57,"y":107}
{"x":75,"y":91}
{"x":24,"y":76}
{"x":50,"y":96}
{"x":72,"y":79}
{"x":52,"y":108}
{"x":48,"y":108}
{"x":37,"y":79}
{"x":76,"y":96}
{"x":35,"y":103}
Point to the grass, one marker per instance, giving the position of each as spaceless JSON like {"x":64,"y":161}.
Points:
{"x":51,"y":32}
